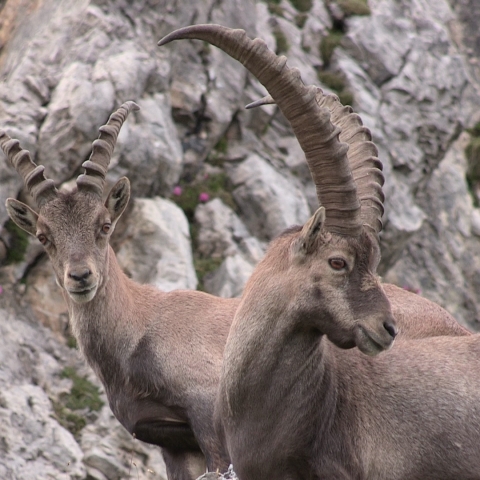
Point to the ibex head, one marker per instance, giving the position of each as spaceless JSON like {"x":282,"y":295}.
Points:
{"x":327,"y":282}
{"x":329,"y":267}
{"x":74,"y":227}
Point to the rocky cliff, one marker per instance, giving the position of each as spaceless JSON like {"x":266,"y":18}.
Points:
{"x":212,"y":182}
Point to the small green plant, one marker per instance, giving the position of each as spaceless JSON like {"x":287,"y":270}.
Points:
{"x":18,"y":243}
{"x":302,"y":5}
{"x":71,"y":407}
{"x":281,"y":40}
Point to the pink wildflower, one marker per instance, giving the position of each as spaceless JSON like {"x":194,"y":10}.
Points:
{"x":204,"y":197}
{"x":177,"y":191}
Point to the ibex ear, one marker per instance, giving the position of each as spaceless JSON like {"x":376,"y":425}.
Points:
{"x":310,"y":232}
{"x":117,"y":199}
{"x":22,"y":215}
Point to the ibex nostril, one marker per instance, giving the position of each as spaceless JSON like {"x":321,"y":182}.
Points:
{"x":391,"y":329}
{"x":80,"y":275}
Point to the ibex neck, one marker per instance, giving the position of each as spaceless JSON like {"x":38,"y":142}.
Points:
{"x":108,"y":326}
{"x":275,"y":357}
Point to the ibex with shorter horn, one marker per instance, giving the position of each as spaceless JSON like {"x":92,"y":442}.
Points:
{"x":296,"y":399}
{"x":157,"y":354}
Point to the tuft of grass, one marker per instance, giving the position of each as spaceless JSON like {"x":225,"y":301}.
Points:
{"x":301,"y":19}
{"x":83,"y":397}
{"x":73,"y":422}
{"x":336,"y":82}
{"x":332,"y":80}
{"x":354,"y":7}
{"x":83,"y":393}
{"x":215,"y":186}
{"x":71,"y":342}
{"x":275,"y":9}
{"x":328,"y":44}
{"x":204,"y":266}
{"x":346,"y":97}
{"x":19,"y":243}
{"x":222,"y":146}
{"x":281,"y":41}
{"x":474,"y":131}
{"x":302,"y":5}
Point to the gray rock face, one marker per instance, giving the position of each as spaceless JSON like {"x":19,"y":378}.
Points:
{"x":222,"y":234}
{"x":158,"y":249}
{"x":26,"y":413}
{"x":269,"y":202}
{"x":33,"y":444}
{"x":413,"y":68}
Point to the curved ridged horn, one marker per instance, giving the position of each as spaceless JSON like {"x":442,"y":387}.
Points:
{"x":363,"y":159}
{"x":362,"y":156}
{"x":40,"y":188}
{"x":318,"y":137}
{"x":102,"y":149}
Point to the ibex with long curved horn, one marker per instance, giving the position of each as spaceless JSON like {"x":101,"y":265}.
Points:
{"x":296,"y":399}
{"x":157,"y":354}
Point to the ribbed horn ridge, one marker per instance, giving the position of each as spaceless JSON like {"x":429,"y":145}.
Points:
{"x":318,"y":137}
{"x":363,"y":159}
{"x":40,"y":188}
{"x":102,"y":149}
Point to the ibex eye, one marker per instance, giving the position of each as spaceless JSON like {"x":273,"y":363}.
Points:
{"x":106,"y":227}
{"x":337,"y":263}
{"x":42,"y":239}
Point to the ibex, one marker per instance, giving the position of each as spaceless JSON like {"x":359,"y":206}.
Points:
{"x":157,"y":354}
{"x":296,"y":399}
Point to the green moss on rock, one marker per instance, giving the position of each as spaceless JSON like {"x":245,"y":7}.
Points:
{"x":281,"y":41}
{"x":354,"y":7}
{"x":301,"y":19}
{"x":472,"y":153}
{"x":302,"y":5}
{"x":275,"y":9}
{"x":336,"y":82}
{"x":328,"y":45}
